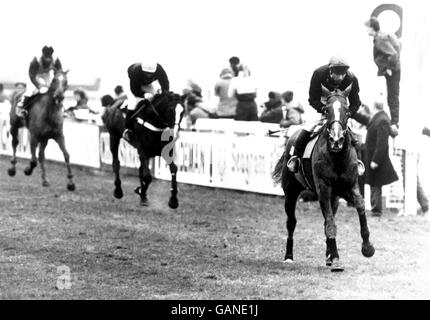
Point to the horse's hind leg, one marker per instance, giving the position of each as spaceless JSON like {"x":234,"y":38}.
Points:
{"x":356,"y":198}
{"x":62,"y":144}
{"x":33,"y":161}
{"x":14,"y":133}
{"x":173,"y":201}
{"x":42,"y":148}
{"x":145,"y":178}
{"x":292,"y":191}
{"x":114,"y":145}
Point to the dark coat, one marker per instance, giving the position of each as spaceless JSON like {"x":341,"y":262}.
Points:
{"x":386,"y":52}
{"x":321,"y":76}
{"x":376,"y":150}
{"x":272,"y":115}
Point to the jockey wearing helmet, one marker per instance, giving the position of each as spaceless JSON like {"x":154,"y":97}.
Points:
{"x":147,"y":81}
{"x":41,"y":73}
{"x":334,"y":75}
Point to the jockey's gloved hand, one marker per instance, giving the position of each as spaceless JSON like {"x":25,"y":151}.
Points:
{"x":43,"y":89}
{"x":148,"y":96}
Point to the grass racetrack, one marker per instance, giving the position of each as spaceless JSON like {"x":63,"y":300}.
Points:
{"x":219,"y":244}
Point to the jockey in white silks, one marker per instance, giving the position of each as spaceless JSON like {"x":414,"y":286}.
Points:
{"x":41,"y":73}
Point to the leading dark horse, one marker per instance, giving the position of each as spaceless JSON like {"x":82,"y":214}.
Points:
{"x":44,"y":121}
{"x":152,"y":127}
{"x":331,"y":173}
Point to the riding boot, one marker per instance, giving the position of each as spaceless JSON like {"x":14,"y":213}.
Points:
{"x":357,"y":145}
{"x":298,"y":149}
{"x":128,"y":132}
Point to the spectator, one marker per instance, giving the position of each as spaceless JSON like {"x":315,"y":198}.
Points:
{"x":422,"y":197}
{"x":379,"y":169}
{"x":386,"y":54}
{"x":3,"y":97}
{"x":245,"y":91}
{"x":272,"y":112}
{"x":226,"y":105}
{"x":119,"y":93}
{"x":236,"y":66}
{"x":291,"y":110}
{"x":81,"y":104}
{"x":107,"y":100}
{"x":18,"y":92}
{"x":81,"y":99}
{"x":193,"y":103}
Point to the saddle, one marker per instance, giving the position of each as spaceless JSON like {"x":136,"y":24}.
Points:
{"x":304,"y":174}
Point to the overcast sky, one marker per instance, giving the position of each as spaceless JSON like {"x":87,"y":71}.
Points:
{"x":281,"y":41}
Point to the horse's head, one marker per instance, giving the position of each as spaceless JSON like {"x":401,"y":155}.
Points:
{"x":59,"y":84}
{"x":337,"y":113}
{"x":171,"y":113}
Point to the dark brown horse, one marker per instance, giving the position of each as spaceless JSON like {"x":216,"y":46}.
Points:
{"x":331,"y":172}
{"x":44,"y":122}
{"x":153,"y":136}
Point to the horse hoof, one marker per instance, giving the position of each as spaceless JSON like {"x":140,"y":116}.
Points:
{"x":71,"y":186}
{"x":11,"y":172}
{"x":28,"y":171}
{"x":288,"y":261}
{"x":328,"y":262}
{"x":45,"y":184}
{"x":336,"y":266}
{"x":144,"y":202}
{"x":138,"y":191}
{"x":117,"y":193}
{"x":173,"y":203}
{"x":368,"y":250}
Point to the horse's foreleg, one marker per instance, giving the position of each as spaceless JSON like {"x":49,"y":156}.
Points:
{"x":114,"y":146}
{"x":14,"y":133}
{"x":326,"y":204}
{"x":292,"y":192}
{"x":356,"y":198}
{"x":62,"y":144}
{"x":145,"y":178}
{"x":42,"y":148}
{"x":173,"y":201}
{"x":33,"y":161}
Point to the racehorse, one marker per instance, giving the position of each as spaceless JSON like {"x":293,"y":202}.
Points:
{"x":331,"y":172}
{"x":44,"y":121}
{"x":152,"y":127}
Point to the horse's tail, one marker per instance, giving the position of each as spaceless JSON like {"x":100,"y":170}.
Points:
{"x":277,"y":172}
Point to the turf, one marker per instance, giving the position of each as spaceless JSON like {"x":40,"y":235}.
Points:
{"x":219,"y":244}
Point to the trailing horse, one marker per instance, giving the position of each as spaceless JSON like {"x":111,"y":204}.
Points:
{"x":153,"y":125}
{"x":331,"y":172}
{"x":44,"y":121}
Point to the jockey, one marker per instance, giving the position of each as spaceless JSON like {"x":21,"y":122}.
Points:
{"x":41,"y":73}
{"x":334,"y":75}
{"x":147,"y":80}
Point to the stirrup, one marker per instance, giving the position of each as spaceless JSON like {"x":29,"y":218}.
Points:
{"x":360,"y":167}
{"x":293,"y":164}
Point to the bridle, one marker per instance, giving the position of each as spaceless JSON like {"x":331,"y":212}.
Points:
{"x":325,"y":110}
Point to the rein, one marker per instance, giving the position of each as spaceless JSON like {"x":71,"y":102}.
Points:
{"x":153,"y":105}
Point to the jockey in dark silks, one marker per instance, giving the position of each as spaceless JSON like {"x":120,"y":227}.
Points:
{"x":334,"y":75}
{"x":148,"y":81}
{"x":41,"y":73}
